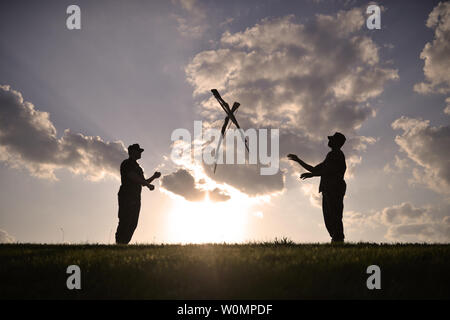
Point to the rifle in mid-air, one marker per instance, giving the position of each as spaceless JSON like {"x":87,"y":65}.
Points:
{"x":226,"y":125}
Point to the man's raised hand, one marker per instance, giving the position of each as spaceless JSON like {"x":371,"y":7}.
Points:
{"x":306,"y":175}
{"x":293,"y":157}
{"x":156,"y":175}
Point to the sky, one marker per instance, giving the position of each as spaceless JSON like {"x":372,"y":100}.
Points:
{"x":71,"y":101}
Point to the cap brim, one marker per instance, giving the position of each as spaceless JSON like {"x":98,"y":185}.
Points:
{"x":141,"y":150}
{"x":330,"y":137}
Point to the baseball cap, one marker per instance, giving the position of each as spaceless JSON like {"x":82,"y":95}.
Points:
{"x":135,"y":147}
{"x":339,"y":138}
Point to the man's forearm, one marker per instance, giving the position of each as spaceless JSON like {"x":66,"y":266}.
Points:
{"x":149,"y":180}
{"x":305,"y":165}
{"x":137,"y":179}
{"x":142,"y":182}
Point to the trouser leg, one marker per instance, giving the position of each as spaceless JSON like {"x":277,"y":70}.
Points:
{"x":333,"y":206}
{"x":128,"y":219}
{"x":326,"y":213}
{"x":339,"y":226}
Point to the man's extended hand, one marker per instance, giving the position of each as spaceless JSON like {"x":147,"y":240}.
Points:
{"x":306,"y":175}
{"x":157,"y":174}
{"x":293,"y":157}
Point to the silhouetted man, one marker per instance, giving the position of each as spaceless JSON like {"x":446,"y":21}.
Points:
{"x":133,"y":179}
{"x":332,"y":185}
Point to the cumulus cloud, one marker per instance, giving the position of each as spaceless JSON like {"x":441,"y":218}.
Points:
{"x":428,"y":147}
{"x":405,"y":222}
{"x":313,"y":78}
{"x":28,"y":139}
{"x":437,"y":53}
{"x":182,"y":183}
{"x":308,"y":80}
{"x":401,"y":213}
{"x":5,"y":237}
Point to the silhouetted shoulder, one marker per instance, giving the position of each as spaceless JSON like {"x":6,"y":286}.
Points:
{"x":334,"y":163}
{"x":125,"y":163}
{"x":335,"y":155}
{"x":130,"y":165}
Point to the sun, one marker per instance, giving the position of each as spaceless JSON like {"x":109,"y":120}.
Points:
{"x":207,"y":221}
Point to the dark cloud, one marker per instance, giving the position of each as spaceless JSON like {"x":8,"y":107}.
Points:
{"x":28,"y":139}
{"x":405,"y":211}
{"x":417,"y":230}
{"x":430,"y":223}
{"x":182,"y":183}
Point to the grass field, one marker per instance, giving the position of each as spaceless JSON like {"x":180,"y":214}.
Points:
{"x":221,"y":271}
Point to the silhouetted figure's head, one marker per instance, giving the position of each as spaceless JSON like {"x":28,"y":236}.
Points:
{"x":134,"y":151}
{"x":336,"y":141}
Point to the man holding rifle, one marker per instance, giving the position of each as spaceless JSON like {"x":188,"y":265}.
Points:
{"x":132,"y":178}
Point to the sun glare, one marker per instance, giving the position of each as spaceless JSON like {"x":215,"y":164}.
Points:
{"x":207,"y":221}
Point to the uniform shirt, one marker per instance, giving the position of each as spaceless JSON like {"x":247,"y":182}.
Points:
{"x":129,"y":188}
{"x":332,"y":171}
